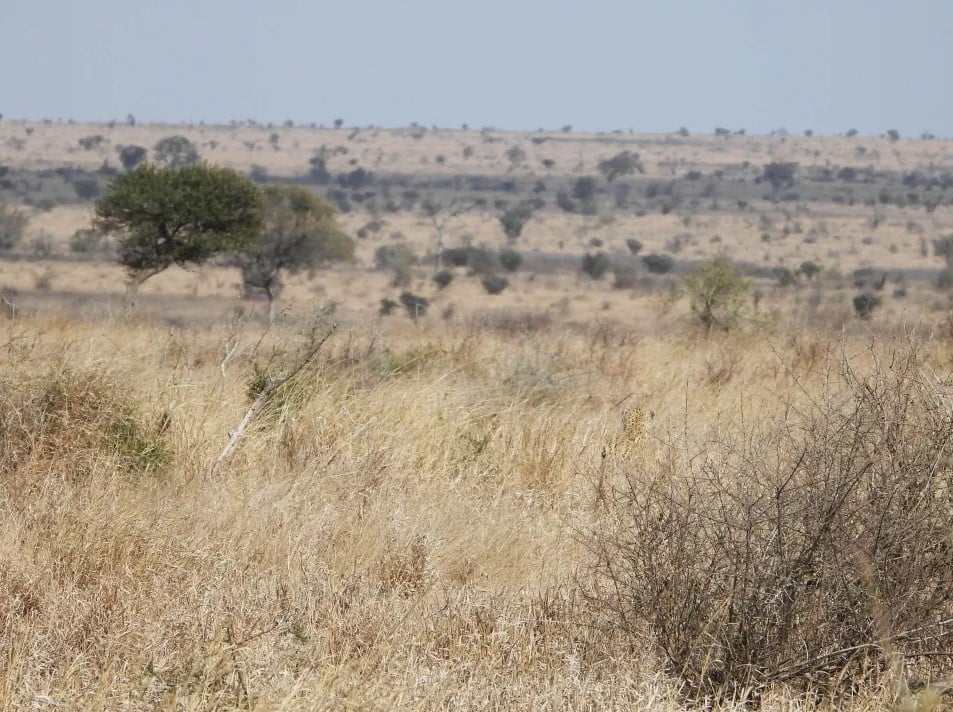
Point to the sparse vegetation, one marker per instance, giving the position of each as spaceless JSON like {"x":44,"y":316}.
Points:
{"x":13,"y":224}
{"x":450,"y":514}
{"x":596,"y":264}
{"x":494,"y":283}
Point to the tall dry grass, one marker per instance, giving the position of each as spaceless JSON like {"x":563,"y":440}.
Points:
{"x":403,"y":527}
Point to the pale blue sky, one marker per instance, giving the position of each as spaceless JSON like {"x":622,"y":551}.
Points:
{"x":828,"y":65}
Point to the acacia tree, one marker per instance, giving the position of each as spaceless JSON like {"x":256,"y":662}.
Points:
{"x":176,"y":152}
{"x":716,"y":294}
{"x":440,"y":217}
{"x":300,"y":232}
{"x":514,"y":219}
{"x":167,"y":216}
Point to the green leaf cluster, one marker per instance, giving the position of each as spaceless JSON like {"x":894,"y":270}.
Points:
{"x":300,"y":232}
{"x":167,"y":216}
{"x":717,"y":294}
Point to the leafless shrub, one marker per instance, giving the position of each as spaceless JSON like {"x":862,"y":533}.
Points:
{"x":813,"y":550}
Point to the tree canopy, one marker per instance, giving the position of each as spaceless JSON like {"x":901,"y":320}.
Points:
{"x":167,"y":216}
{"x":717,"y":294}
{"x":300,"y":232}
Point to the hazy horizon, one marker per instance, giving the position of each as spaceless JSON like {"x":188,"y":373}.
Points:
{"x":757,"y":65}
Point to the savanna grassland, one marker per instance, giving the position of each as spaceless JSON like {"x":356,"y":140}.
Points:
{"x":564,"y":496}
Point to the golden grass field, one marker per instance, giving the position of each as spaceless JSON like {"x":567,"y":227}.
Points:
{"x":408,"y":524}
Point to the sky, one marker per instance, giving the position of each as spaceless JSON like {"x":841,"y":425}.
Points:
{"x":599,"y":65}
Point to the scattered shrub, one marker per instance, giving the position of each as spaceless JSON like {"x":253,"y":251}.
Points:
{"x":514,"y":219}
{"x":90,"y":143}
{"x":494,"y":283}
{"x":86,"y":188}
{"x":635,"y":246}
{"x":415,"y":305}
{"x":398,"y":259}
{"x":175,"y":152}
{"x":387,"y":307}
{"x":131,"y":156}
{"x":13,"y":223}
{"x":443,"y":278}
{"x":620,"y":164}
{"x":510,"y":260}
{"x":809,"y":269}
{"x":88,"y":242}
{"x":596,"y":264}
{"x":625,"y":277}
{"x":658,"y":264}
{"x":865,"y":304}
{"x":716,"y":294}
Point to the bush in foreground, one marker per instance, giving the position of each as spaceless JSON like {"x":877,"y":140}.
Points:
{"x":811,"y":549}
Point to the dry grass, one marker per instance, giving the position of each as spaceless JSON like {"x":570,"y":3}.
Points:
{"x":404,"y":525}
{"x":400,"y":532}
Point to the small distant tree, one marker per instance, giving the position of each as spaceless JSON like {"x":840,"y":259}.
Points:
{"x":443,"y":278}
{"x":779,"y":175}
{"x":809,"y":269}
{"x":175,"y":152}
{"x":634,"y":245}
{"x":584,"y":189}
{"x":565,"y":203}
{"x":319,"y":169}
{"x":716,"y":294}
{"x":865,"y":304}
{"x":13,"y":224}
{"x":300,"y":232}
{"x":943,"y":247}
{"x":515,"y":155}
{"x":415,"y":305}
{"x":398,"y":259}
{"x":596,"y":264}
{"x":387,"y":306}
{"x":440,"y":217}
{"x":624,"y":163}
{"x":90,"y":143}
{"x":494,"y":283}
{"x":86,"y":188}
{"x":167,"y":216}
{"x":510,"y":259}
{"x":658,"y":264}
{"x":893,"y":134}
{"x":514,"y":219}
{"x":131,"y":156}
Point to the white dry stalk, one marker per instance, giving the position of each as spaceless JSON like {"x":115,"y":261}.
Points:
{"x":270,"y":387}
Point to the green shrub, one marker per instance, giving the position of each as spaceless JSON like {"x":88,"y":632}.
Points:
{"x":77,"y":420}
{"x":596,"y":264}
{"x":865,"y":304}
{"x":387,"y":307}
{"x":510,"y":260}
{"x":398,"y":259}
{"x":13,"y":224}
{"x":717,"y":294}
{"x":494,"y":283}
{"x":415,"y":305}
{"x":443,"y":278}
{"x":658,"y":264}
